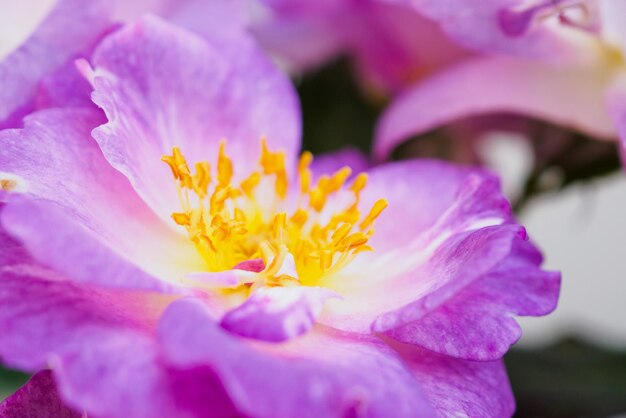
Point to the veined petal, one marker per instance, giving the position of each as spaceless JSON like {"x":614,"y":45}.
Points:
{"x":11,"y":251}
{"x":122,"y":374}
{"x":321,"y":374}
{"x":461,"y":388}
{"x":470,"y":315}
{"x":482,"y":25}
{"x":37,"y":398}
{"x":462,"y":257}
{"x":55,"y":160}
{"x":43,"y":316}
{"x":162,"y":87}
{"x":569,"y":95}
{"x":277,"y":313}
{"x":420,"y":192}
{"x":428,"y":255}
{"x":59,"y":242}
{"x":66,"y":87}
{"x":71,"y":28}
{"x":100,"y":345}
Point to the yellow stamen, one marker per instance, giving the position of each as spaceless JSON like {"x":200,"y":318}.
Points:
{"x":202,"y":179}
{"x":304,"y":172}
{"x":181,"y":218}
{"x":377,"y":209}
{"x":224,"y":166}
{"x":249,"y":184}
{"x":8,"y":185}
{"x":359,"y":183}
{"x":339,"y":178}
{"x":228,"y":225}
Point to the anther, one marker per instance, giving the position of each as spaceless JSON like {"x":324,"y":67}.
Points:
{"x":375,"y":211}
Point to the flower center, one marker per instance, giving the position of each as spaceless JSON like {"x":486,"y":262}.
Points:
{"x":260,"y":223}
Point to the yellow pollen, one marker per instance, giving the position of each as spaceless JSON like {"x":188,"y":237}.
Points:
{"x":230,"y":222}
{"x":8,"y":185}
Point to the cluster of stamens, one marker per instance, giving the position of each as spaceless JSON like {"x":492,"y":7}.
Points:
{"x":229,"y":226}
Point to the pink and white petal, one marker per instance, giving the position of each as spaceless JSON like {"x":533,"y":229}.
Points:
{"x":304,"y":34}
{"x":42,"y":316}
{"x":37,"y":398}
{"x":100,"y":347}
{"x":385,"y":48}
{"x":11,"y":251}
{"x":224,"y":19}
{"x":375,"y":298}
{"x":474,"y":319}
{"x":59,"y":242}
{"x":461,"y":388}
{"x":66,"y":87}
{"x":276,"y":314}
{"x":569,"y":95}
{"x":71,"y":28}
{"x":447,"y":228}
{"x":122,"y":374}
{"x":216,"y":18}
{"x":323,"y":373}
{"x":420,"y":192}
{"x":162,"y":87}
{"x":379,"y":35}
{"x":433,"y":206}
{"x":55,"y":159}
{"x":506,"y":26}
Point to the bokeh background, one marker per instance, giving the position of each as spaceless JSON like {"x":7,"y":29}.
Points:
{"x":568,"y":190}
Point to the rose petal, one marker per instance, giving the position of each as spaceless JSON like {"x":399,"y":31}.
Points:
{"x":569,"y":94}
{"x":385,"y":48}
{"x":66,"y":87}
{"x":433,"y":207}
{"x":56,"y":160}
{"x":122,"y":375}
{"x":471,"y":315}
{"x":71,"y":28}
{"x":479,"y":24}
{"x":42,"y":316}
{"x":320,"y":374}
{"x":420,"y":192}
{"x":191,"y":97}
{"x":277,"y":313}
{"x":461,"y":388}
{"x":448,"y":236}
{"x":100,"y":347}
{"x":57,"y":241}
